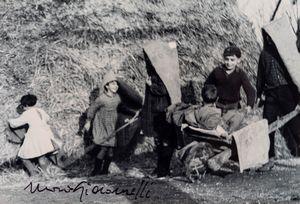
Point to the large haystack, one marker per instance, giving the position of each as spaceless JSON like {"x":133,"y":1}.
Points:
{"x":59,"y":50}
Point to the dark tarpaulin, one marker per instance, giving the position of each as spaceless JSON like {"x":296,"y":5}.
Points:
{"x":133,"y":101}
{"x":285,"y":39}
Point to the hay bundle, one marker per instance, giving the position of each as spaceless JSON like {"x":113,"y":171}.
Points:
{"x":59,"y":50}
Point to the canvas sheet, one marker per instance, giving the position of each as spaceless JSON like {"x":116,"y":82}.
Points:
{"x":253,"y":145}
{"x":164,"y":58}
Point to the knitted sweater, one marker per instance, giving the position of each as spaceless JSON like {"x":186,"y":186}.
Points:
{"x":229,"y":85}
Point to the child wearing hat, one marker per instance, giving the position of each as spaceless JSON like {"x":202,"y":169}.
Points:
{"x":103,"y":115}
{"x":229,"y":78}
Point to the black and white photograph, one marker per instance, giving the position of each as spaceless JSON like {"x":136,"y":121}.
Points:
{"x":149,"y":101}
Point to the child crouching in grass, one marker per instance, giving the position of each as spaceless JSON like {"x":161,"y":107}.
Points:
{"x":39,"y":140}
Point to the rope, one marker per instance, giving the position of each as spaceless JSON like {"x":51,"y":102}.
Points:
{"x":294,"y":15}
{"x":297,"y":13}
{"x":276,"y":9}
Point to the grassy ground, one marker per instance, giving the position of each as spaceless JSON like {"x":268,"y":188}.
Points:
{"x":281,"y":185}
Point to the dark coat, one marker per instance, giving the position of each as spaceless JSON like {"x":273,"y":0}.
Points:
{"x":163,"y":68}
{"x":154,"y":110}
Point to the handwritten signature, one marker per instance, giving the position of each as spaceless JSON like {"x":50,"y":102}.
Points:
{"x":86,"y":188}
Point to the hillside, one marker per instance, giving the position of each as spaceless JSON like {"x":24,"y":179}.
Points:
{"x":59,"y":50}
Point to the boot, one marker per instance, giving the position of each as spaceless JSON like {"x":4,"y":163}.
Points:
{"x":30,"y":167}
{"x":106,"y":164}
{"x":98,"y":167}
{"x":163,"y":161}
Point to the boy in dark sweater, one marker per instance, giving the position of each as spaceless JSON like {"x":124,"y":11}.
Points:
{"x":229,"y":78}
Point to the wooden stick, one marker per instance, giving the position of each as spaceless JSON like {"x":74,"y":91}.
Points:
{"x":283,"y":120}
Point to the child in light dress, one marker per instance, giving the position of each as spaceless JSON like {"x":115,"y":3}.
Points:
{"x":39,"y":141}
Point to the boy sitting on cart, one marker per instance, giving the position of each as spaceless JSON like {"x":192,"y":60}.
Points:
{"x":205,"y":123}
{"x":208,"y":118}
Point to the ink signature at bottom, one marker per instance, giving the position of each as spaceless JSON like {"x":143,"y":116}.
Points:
{"x":86,"y":188}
